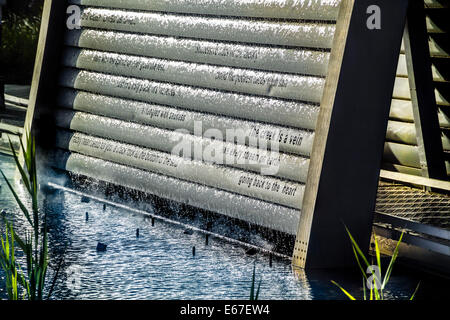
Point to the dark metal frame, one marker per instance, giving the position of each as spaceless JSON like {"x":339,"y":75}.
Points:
{"x":341,"y":190}
{"x":425,"y":110}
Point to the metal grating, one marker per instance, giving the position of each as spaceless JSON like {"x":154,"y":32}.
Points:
{"x":413,"y":204}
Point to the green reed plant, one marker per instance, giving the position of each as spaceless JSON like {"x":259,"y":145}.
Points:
{"x":34,"y":244}
{"x":254,"y":295}
{"x":376,"y":281}
{"x":8,"y":263}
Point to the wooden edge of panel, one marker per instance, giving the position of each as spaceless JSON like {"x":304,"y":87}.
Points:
{"x":346,"y":158}
{"x":322,"y":129}
{"x":43,"y":81}
{"x":415,"y":180}
{"x":43,"y":44}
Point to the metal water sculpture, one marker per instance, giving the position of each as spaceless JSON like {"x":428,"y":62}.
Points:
{"x":287,"y":78}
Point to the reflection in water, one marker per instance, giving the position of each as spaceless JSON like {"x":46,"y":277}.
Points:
{"x":157,"y":265}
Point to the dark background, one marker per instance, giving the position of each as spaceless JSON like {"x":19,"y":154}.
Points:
{"x":18,"y":41}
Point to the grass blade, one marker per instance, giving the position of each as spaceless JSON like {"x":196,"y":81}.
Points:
{"x":391,"y":264}
{"x":16,"y":197}
{"x":252,"y":288}
{"x":359,"y":263}
{"x":364,"y":289}
{"x":344,"y":291}
{"x":377,"y":253}
{"x":257,"y":291}
{"x":415,"y":291}
{"x":55,"y":277}
{"x":19,"y":167}
{"x":358,"y":250}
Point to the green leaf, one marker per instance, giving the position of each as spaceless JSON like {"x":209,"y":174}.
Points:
{"x":364,"y":289}
{"x":415,"y":291}
{"x":20,"y":168}
{"x":359,"y":263}
{"x":358,"y":250}
{"x":56,"y":274}
{"x":252,"y":288}
{"x":377,"y":253}
{"x":34,"y":247}
{"x":20,"y":242}
{"x":391,"y":264}
{"x":16,"y":197}
{"x":344,"y":291}
{"x":257,"y":291}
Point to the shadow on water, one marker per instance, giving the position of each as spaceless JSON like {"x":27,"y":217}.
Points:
{"x":159,"y":264}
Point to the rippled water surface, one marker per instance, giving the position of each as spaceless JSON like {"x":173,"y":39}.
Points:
{"x":159,"y":263}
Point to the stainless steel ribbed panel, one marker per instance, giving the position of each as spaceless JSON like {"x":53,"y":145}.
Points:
{"x":242,"y":55}
{"x":401,"y":129}
{"x":250,"y":158}
{"x":299,"y":34}
{"x":234,"y":205}
{"x":221,"y":177}
{"x":288,"y":140}
{"x":284,"y":9}
{"x":151,"y":90}
{"x":290,"y":113}
{"x":263,"y":83}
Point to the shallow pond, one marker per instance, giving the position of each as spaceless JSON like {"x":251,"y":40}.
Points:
{"x":159,"y":264}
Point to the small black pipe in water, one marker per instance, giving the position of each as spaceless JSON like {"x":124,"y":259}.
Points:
{"x":270,"y":260}
{"x":153,"y":222}
{"x":137,"y":233}
{"x":207,"y":239}
{"x":101,"y":247}
{"x":87,"y":216}
{"x":104,"y":206}
{"x":193,"y":251}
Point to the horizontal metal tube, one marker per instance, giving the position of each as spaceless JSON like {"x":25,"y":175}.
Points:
{"x":402,"y":154}
{"x":401,"y":132}
{"x":289,"y":140}
{"x":260,"y":187}
{"x":300,"y":34}
{"x":402,"y":110}
{"x":401,"y":169}
{"x":402,"y":69}
{"x":269,"y":58}
{"x":249,"y":158}
{"x":237,"y":206}
{"x":275,"y":111}
{"x":409,"y":170}
{"x":289,"y":9}
{"x":402,"y":91}
{"x":287,"y":86}
{"x":404,"y":132}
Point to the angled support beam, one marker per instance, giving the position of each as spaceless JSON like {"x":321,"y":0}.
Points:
{"x":416,"y":180}
{"x":425,"y":110}
{"x":350,"y":135}
{"x":46,"y":68}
